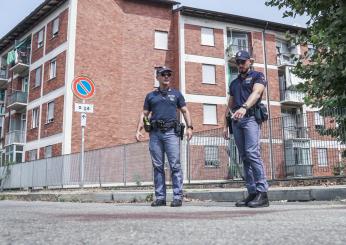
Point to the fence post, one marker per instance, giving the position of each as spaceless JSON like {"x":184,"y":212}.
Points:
{"x":62,"y":171}
{"x":46,"y":180}
{"x":124,"y":166}
{"x":32,"y":175}
{"x":188,"y":161}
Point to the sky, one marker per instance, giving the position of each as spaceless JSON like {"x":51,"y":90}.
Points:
{"x":13,"y":11}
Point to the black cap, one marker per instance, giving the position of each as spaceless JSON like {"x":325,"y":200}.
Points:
{"x":242,"y":55}
{"x":162,"y":69}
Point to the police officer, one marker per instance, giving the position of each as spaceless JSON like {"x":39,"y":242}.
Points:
{"x":245,"y":94}
{"x":162,"y":105}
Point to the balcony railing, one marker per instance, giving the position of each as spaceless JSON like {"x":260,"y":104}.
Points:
{"x":15,"y":137}
{"x":286,"y":59}
{"x":20,"y":64}
{"x":17,"y":100}
{"x":293,"y":97}
{"x":299,"y":171}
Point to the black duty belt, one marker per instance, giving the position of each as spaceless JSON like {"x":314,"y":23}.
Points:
{"x":249,"y":112}
{"x":162,"y":125}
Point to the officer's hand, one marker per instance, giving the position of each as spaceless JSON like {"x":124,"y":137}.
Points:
{"x":225,"y":133}
{"x":189,"y":133}
{"x":139,"y":135}
{"x":239,"y":114}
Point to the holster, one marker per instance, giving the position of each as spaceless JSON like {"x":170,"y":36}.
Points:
{"x":229,"y":122}
{"x":179,"y":130}
{"x":261,"y":113}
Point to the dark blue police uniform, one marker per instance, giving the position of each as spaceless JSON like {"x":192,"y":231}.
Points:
{"x":246,"y":132}
{"x":163,"y":106}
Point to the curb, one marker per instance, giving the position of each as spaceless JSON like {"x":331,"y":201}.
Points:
{"x":224,"y":195}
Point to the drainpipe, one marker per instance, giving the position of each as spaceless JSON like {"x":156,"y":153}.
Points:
{"x":271,"y":160}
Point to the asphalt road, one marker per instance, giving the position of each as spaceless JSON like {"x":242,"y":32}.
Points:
{"x":194,"y":223}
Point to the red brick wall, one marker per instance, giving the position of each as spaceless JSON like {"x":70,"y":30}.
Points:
{"x":34,"y":92}
{"x":54,"y":42}
{"x":122,"y":65}
{"x":257,"y":47}
{"x":37,"y":53}
{"x":273,"y":83}
{"x":194,"y":80}
{"x":193,"y":42}
{"x":56,"y":151}
{"x":31,"y":133}
{"x":55,"y":127}
{"x":50,"y":85}
{"x":196,"y":111}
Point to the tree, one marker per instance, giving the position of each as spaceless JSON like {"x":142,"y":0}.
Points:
{"x":325,"y":69}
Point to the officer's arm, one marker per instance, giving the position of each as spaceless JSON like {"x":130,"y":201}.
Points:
{"x":229,"y":106}
{"x":144,"y":113}
{"x":257,"y":91}
{"x":186,"y":115}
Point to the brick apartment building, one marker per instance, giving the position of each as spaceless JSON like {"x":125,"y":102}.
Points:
{"x":118,"y":44}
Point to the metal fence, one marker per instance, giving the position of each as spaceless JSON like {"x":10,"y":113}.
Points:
{"x":298,"y":148}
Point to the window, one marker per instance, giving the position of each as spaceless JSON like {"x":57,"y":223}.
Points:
{"x":238,"y":41}
{"x":55,"y":27}
{"x":35,"y":117}
{"x":211,"y":155}
{"x":319,"y":120}
{"x":48,"y":151}
{"x":38,"y":76}
{"x":40,"y":39}
{"x":207,"y":36}
{"x":32,"y":155}
{"x":209,"y":114}
{"x":50,"y":112}
{"x":25,"y":83}
{"x":208,"y":74}
{"x":322,"y":158}
{"x":52,"y":69}
{"x":233,"y":74}
{"x":161,"y":40}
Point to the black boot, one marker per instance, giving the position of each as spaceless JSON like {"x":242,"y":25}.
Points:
{"x":158,"y":203}
{"x":261,"y":200}
{"x":244,"y":203}
{"x":176,"y":203}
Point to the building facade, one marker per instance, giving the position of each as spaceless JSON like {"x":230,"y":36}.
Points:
{"x":118,"y":44}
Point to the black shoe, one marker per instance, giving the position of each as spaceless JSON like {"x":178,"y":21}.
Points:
{"x":261,"y":200}
{"x":158,"y":203}
{"x":244,"y":203}
{"x":176,"y":203}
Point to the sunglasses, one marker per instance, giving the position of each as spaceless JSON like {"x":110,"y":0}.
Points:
{"x":166,"y":74}
{"x":241,"y":62}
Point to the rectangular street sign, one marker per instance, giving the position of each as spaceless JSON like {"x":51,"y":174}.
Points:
{"x":85,"y":108}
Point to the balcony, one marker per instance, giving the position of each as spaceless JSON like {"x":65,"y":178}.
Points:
{"x":3,"y":77}
{"x":15,"y":137}
{"x":291,"y":97}
{"x":17,"y":100}
{"x":20,"y":63}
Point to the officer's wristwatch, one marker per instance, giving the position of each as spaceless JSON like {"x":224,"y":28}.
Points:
{"x":245,"y":106}
{"x":190,"y":126}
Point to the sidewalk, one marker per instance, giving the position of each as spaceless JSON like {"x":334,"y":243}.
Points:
{"x":310,"y":193}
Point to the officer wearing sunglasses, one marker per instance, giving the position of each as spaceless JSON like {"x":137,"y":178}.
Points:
{"x":245,"y":94}
{"x":162,"y":105}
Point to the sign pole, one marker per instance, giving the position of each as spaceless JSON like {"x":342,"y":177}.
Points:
{"x":83,"y":88}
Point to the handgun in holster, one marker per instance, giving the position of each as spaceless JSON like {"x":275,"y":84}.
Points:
{"x":229,"y":122}
{"x":179,"y":130}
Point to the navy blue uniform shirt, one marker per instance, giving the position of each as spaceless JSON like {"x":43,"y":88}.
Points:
{"x":164,"y":106}
{"x":241,"y":88}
